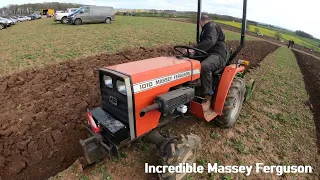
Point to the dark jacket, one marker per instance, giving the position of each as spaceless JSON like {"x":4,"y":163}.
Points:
{"x":212,"y":40}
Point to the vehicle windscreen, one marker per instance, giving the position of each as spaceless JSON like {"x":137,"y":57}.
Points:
{"x":77,"y":11}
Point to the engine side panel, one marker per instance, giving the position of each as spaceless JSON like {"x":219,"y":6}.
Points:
{"x":153,"y":83}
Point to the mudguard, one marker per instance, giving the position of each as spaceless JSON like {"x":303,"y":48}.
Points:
{"x":225,"y":82}
{"x":217,"y":106}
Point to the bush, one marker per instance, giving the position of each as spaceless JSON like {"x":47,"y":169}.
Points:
{"x":278,"y":35}
{"x":247,"y":26}
{"x":256,"y":30}
{"x":193,"y":18}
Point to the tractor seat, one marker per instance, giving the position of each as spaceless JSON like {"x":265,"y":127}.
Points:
{"x":219,"y":71}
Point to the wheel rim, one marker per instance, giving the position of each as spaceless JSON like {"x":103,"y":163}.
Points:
{"x":1,"y":26}
{"x":108,"y":20}
{"x":64,"y":20}
{"x":235,"y":106}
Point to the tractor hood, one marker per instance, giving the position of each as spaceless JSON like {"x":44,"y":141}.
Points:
{"x":163,"y":68}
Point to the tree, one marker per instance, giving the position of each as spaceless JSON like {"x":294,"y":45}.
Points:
{"x":304,"y":34}
{"x":319,"y":45}
{"x":278,"y":35}
{"x":256,"y":30}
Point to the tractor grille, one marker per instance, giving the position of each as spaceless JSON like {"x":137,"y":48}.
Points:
{"x":120,"y":110}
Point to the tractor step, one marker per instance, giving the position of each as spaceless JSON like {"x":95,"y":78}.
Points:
{"x":197,"y":110}
{"x":210,"y":115}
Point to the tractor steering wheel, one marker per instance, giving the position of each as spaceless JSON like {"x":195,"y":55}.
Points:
{"x":202,"y":55}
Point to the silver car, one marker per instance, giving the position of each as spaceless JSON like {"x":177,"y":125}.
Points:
{"x":5,"y":21}
{"x":14,"y":21}
{"x":92,"y":14}
{"x":3,"y":24}
{"x":10,"y":21}
{"x":24,"y":18}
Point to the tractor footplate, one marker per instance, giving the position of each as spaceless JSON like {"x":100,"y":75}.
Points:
{"x":197,"y":109}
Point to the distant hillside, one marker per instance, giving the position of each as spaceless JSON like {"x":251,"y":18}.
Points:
{"x":24,"y":9}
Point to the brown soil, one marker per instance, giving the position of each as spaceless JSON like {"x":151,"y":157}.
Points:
{"x":310,"y":68}
{"x":42,"y":110}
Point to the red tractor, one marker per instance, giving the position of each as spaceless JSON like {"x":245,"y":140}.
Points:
{"x":139,"y":97}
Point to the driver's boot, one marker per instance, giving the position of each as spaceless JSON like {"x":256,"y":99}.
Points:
{"x":206,"y":105}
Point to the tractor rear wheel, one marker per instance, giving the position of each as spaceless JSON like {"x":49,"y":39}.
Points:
{"x":233,"y":104}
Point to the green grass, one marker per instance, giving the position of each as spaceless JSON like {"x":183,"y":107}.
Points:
{"x":286,"y":35}
{"x":42,"y":42}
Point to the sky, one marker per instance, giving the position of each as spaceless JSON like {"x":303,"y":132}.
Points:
{"x":290,"y":14}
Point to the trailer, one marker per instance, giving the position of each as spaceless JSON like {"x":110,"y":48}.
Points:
{"x":48,"y":12}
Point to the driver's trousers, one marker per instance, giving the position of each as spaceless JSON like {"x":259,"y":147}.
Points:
{"x":209,"y":65}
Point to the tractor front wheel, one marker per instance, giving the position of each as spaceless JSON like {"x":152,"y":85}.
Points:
{"x":183,"y":151}
{"x":233,"y":104}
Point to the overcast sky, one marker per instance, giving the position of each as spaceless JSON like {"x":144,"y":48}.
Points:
{"x":304,"y":14}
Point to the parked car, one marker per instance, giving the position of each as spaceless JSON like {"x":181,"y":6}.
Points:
{"x":9,"y":21}
{"x":13,"y":20}
{"x":92,"y":14}
{"x":6,"y":21}
{"x":24,"y":18}
{"x":63,"y":17}
{"x":3,"y":24}
{"x":32,"y":17}
{"x":36,"y":16}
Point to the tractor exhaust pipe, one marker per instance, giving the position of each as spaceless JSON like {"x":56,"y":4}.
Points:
{"x":198,"y":21}
{"x":152,"y":107}
{"x":243,"y":32}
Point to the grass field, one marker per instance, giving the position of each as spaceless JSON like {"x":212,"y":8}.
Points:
{"x":42,"y":42}
{"x":286,"y":35}
{"x":274,"y":128}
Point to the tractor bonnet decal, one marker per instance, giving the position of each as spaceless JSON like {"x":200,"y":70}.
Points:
{"x":143,"y":86}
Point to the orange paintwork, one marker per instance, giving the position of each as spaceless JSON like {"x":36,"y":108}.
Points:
{"x":197,"y":110}
{"x":224,"y":85}
{"x":146,"y":70}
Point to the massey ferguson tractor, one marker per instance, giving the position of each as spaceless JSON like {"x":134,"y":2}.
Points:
{"x":139,"y":97}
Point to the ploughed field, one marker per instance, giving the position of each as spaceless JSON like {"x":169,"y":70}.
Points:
{"x":43,"y":110}
{"x":310,"y":68}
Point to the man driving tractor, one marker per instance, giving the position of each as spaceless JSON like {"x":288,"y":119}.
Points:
{"x":212,"y":41}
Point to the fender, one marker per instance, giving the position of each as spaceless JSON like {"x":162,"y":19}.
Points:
{"x":225,"y":82}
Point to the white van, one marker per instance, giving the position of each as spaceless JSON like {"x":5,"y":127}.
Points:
{"x":92,"y":14}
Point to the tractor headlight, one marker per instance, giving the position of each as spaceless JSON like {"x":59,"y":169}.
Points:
{"x":107,"y":81}
{"x":121,"y":87}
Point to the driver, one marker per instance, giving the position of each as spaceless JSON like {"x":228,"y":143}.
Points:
{"x":212,"y":41}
